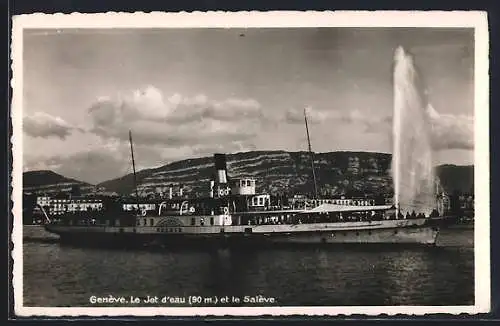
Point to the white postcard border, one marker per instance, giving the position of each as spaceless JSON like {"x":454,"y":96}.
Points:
{"x":283,"y":19}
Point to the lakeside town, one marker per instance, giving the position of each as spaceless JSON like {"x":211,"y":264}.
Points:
{"x":55,"y":204}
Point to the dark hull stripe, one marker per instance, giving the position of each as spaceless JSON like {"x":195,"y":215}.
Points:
{"x":407,"y":235}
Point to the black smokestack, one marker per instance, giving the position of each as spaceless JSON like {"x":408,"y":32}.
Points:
{"x":220,"y":167}
{"x":220,"y":162}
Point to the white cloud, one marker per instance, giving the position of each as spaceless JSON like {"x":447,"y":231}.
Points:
{"x":367,"y":120}
{"x":44,"y":125}
{"x":451,"y":131}
{"x":167,"y":128}
{"x":448,"y":131}
{"x":93,"y":166}
{"x":175,"y":120}
{"x":314,"y":116}
{"x":163,"y":129}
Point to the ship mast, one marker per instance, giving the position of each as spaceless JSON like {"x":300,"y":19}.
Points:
{"x":133,"y":165}
{"x":311,"y":155}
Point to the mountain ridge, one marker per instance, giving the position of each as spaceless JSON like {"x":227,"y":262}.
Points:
{"x":338,"y":173}
{"x":50,"y":182}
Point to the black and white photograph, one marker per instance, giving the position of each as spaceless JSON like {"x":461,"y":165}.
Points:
{"x":279,"y":163}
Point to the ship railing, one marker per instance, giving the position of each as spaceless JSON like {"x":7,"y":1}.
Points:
{"x":315,"y":219}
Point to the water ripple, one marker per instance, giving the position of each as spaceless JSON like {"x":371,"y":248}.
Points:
{"x":56,"y":275}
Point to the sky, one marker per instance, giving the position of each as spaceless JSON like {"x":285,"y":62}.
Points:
{"x":187,"y":93}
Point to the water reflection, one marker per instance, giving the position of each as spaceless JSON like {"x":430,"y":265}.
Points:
{"x":57,"y":275}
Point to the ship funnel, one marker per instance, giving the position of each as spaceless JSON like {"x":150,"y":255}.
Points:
{"x":221,"y":168}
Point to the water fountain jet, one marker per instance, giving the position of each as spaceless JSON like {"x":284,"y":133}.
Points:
{"x":412,"y":163}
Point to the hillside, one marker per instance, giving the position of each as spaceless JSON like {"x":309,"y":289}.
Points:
{"x":45,"y":181}
{"x":275,"y":171}
{"x":349,"y":173}
{"x":456,"y":178}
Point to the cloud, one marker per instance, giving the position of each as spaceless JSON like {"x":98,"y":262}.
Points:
{"x":451,"y":131}
{"x":99,"y":164}
{"x":163,"y":128}
{"x":92,"y":166}
{"x":44,"y":125}
{"x":370,"y":122}
{"x":200,"y":107}
{"x":448,"y":131}
{"x":149,"y":104}
{"x":296,"y":116}
{"x":176,"y":120}
{"x":113,"y":160}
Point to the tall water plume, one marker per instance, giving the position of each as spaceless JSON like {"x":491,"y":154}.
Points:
{"x":412,"y":164}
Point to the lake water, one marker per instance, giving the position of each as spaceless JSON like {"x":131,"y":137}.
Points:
{"x":56,"y":275}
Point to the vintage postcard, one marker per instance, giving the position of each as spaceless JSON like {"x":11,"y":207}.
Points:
{"x":251,"y":163}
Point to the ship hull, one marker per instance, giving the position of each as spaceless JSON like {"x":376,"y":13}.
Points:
{"x":414,"y":235}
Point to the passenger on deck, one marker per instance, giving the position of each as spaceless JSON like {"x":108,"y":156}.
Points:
{"x":413,"y":214}
{"x":400,"y":215}
{"x":408,"y":215}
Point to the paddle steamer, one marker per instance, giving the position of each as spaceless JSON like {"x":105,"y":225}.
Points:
{"x":226,"y":217}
